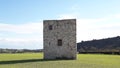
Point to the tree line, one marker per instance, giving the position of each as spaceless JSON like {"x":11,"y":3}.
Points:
{"x":20,"y":50}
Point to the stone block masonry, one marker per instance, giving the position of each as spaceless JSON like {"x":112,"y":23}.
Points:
{"x":59,"y":39}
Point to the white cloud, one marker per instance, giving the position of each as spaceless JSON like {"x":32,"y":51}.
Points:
{"x":67,"y":16}
{"x":117,"y":16}
{"x":75,"y":7}
{"x":29,"y":35}
{"x":98,"y":30}
{"x":22,"y":28}
{"x":73,"y":13}
{"x":21,"y":43}
{"x":88,"y":29}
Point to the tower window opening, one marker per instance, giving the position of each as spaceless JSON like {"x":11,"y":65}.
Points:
{"x":59,"y":42}
{"x":50,"y":27}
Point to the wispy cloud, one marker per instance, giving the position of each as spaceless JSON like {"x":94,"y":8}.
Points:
{"x":73,"y":12}
{"x":29,"y":35}
{"x":22,"y":28}
{"x":67,"y":16}
{"x":21,"y":43}
{"x":75,"y":8}
{"x":100,"y":28}
{"x":88,"y":29}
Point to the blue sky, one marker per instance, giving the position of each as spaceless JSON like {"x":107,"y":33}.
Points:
{"x":21,"y":20}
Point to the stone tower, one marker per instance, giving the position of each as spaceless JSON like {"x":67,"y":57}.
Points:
{"x":60,"y":39}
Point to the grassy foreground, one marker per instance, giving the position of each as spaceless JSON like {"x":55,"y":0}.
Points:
{"x":35,"y":60}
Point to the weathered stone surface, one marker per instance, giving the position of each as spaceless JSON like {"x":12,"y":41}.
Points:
{"x":64,"y":30}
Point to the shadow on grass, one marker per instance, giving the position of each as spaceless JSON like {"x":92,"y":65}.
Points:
{"x":23,"y":61}
{"x":27,"y":60}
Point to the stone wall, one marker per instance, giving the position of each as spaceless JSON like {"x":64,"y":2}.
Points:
{"x":64,"y":30}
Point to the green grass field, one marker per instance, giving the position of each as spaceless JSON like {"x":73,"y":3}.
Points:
{"x":35,"y":60}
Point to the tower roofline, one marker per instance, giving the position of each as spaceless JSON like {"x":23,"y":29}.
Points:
{"x":60,"y":20}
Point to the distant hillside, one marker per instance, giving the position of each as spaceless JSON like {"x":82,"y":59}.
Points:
{"x":102,"y":45}
{"x":20,"y":50}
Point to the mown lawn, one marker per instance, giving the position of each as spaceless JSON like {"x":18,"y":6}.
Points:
{"x":35,"y":60}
